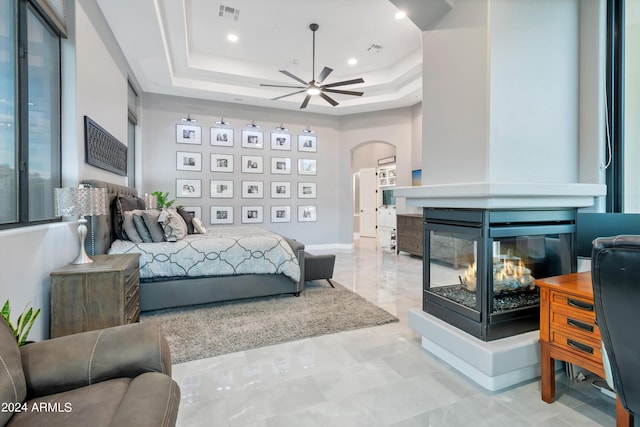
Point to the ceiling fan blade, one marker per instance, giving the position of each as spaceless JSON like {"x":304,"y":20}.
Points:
{"x":344,"y":83}
{"x":327,"y":98}
{"x":292,"y":87}
{"x":289,"y":94}
{"x":305,"y":102}
{"x":344,"y":92}
{"x":324,"y":74}
{"x":294,"y":77}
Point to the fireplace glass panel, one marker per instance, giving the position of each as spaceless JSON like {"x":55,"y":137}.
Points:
{"x":519,"y":260}
{"x":453,"y":257}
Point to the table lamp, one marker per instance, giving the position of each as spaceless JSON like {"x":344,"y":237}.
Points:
{"x":81,"y":201}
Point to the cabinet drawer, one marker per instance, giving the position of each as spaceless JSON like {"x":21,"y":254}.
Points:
{"x":575,"y":324}
{"x":575,"y":306}
{"x":578,"y":345}
{"x":131,"y":274}
{"x":133,"y":314}
{"x":132,"y":293}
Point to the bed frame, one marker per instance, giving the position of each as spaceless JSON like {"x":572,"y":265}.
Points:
{"x":157,"y":294}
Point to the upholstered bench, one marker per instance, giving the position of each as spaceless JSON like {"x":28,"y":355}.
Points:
{"x":319,"y":267}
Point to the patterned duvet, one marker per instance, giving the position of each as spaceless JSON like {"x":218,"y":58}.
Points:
{"x":221,"y":251}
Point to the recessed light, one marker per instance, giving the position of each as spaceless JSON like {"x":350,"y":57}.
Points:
{"x":352,"y":61}
{"x":232,"y":38}
{"x":401,"y":14}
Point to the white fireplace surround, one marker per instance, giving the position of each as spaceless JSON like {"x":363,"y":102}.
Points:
{"x":508,"y":361}
{"x":494,"y":195}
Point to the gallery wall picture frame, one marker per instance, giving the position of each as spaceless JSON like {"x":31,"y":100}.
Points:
{"x":188,"y":187}
{"x":221,"y":189}
{"x":307,"y":143}
{"x":221,"y":162}
{"x":252,"y":139}
{"x":280,"y":190}
{"x":280,"y":213}
{"x":307,"y":167}
{"x":252,"y":214}
{"x":252,"y":189}
{"x":280,"y":141}
{"x":307,"y":190}
{"x":188,"y":134}
{"x":188,"y":161}
{"x":194,"y":211}
{"x":222,"y":137}
{"x":221,"y":215}
{"x":252,"y":164}
{"x":307,"y":213}
{"x":281,"y":165}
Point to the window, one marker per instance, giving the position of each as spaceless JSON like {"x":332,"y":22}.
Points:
{"x":623,"y":90}
{"x":29,"y":113}
{"x":131,"y":136}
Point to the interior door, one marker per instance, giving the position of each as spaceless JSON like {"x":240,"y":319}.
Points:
{"x":368,"y":202}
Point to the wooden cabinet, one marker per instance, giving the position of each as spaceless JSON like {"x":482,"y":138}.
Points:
{"x":93,"y":296}
{"x":568,"y":331}
{"x":567,"y":327}
{"x":409,"y":233}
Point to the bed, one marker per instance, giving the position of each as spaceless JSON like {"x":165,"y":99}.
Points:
{"x":164,"y":289}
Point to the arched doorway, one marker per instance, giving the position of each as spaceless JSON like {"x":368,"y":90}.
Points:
{"x":366,"y":191}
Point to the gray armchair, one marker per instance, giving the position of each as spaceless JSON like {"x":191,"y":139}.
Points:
{"x":118,"y":376}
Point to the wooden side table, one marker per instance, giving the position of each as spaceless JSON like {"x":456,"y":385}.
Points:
{"x":93,"y":296}
{"x":568,"y":332}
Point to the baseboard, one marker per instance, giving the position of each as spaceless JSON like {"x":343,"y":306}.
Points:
{"x":343,"y":247}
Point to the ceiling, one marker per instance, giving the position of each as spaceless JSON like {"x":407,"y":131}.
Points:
{"x":181,"y":48}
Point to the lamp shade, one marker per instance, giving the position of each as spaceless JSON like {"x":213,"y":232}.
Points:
{"x":80,"y":201}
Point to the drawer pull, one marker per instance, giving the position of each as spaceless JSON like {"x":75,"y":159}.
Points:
{"x":579,"y":346}
{"x":580,"y":304}
{"x":580,"y":325}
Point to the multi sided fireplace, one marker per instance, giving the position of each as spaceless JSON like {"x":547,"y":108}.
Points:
{"x":480,"y":266}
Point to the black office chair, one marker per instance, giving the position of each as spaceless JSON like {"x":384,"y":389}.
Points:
{"x":615,"y":272}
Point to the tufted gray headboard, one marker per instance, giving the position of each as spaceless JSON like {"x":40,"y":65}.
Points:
{"x":101,"y":228}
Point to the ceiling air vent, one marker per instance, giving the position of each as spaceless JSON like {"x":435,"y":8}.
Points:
{"x":229,"y":12}
{"x":374,"y":48}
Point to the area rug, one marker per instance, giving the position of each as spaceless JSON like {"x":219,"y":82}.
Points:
{"x":206,"y":330}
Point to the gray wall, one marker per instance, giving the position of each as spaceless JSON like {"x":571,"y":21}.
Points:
{"x":336,"y":137}
{"x":94,"y":84}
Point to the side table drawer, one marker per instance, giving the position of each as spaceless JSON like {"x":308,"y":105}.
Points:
{"x":575,"y":324}
{"x":586,"y":348}
{"x":577,"y":306}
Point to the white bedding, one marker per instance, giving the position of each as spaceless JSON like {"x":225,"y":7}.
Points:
{"x":222,"y":251}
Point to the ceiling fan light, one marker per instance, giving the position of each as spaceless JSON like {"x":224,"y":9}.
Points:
{"x":313,"y":91}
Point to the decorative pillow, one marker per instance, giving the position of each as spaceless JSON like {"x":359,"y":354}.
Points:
{"x":123,"y":204}
{"x":150,"y":217}
{"x":129,"y":228}
{"x":198,"y":226}
{"x":173,"y":225}
{"x":142,"y":229}
{"x":188,"y":219}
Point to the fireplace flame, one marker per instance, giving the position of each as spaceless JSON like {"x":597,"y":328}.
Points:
{"x":508,"y":276}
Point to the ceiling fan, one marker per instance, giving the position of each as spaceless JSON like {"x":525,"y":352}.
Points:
{"x":315,"y":87}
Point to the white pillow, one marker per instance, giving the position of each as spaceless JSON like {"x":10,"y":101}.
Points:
{"x":198,"y":226}
{"x":173,"y":225}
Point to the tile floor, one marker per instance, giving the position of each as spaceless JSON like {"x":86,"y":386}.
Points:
{"x":377,"y":376}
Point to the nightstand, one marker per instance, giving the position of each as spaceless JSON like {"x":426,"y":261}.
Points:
{"x":93,"y":296}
